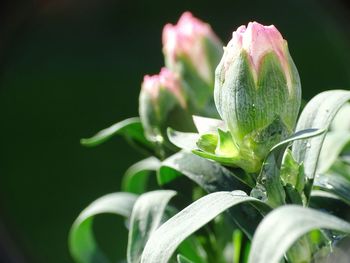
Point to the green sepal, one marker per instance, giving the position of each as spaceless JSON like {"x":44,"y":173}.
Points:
{"x":208,"y":142}
{"x":226,"y":146}
{"x":292,"y":172}
{"x":154,"y":112}
{"x":257,"y":107}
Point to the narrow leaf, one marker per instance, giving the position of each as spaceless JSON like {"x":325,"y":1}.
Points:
{"x":82,"y":244}
{"x":318,"y":113}
{"x":182,"y":259}
{"x":333,"y":145}
{"x":208,"y":125}
{"x":183,"y":140}
{"x":283,"y":226}
{"x":136,"y":177}
{"x":212,"y":177}
{"x":269,"y":176}
{"x":169,"y":236}
{"x":341,"y":121}
{"x":332,"y":203}
{"x":146,"y":217}
{"x":130,"y":128}
{"x":335,"y":184}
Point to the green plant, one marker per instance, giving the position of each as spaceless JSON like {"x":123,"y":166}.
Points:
{"x":258,"y":185}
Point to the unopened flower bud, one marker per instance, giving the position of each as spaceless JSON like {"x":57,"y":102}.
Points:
{"x":161,"y":104}
{"x":257,"y":89}
{"x":192,"y":50}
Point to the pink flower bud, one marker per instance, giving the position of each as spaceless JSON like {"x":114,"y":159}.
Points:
{"x":162,"y":104}
{"x":257,"y":89}
{"x":187,"y":39}
{"x":258,"y":40}
{"x":165,"y":80}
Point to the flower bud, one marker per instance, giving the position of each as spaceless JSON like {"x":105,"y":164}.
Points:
{"x":162,"y":104}
{"x":257,"y":89}
{"x":192,"y":50}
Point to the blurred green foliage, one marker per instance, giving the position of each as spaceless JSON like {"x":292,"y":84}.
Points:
{"x":71,"y":68}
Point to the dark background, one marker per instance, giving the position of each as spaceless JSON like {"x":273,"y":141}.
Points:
{"x":71,"y":67}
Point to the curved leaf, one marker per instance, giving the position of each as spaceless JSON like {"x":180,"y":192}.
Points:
{"x":208,"y":125}
{"x":82,"y":244}
{"x":130,"y":128}
{"x":334,"y":143}
{"x":183,"y":259}
{"x":136,"y":177}
{"x":210,"y":175}
{"x":341,"y":121}
{"x":269,"y":176}
{"x":289,"y":223}
{"x":332,"y":203}
{"x":169,"y":236}
{"x":335,"y":184}
{"x":318,"y":113}
{"x":146,"y":217}
{"x":183,"y":140}
{"x":299,"y":135}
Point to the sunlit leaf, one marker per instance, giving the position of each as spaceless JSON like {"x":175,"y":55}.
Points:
{"x":82,"y":244}
{"x":333,"y":145}
{"x":182,"y":259}
{"x":289,"y":223}
{"x":318,"y":113}
{"x":269,"y":178}
{"x":341,"y":121}
{"x":212,"y":177}
{"x":130,"y":128}
{"x":169,"y":236}
{"x":136,"y":177}
{"x":183,"y":140}
{"x":208,"y":125}
{"x":146,"y":217}
{"x":335,"y":184}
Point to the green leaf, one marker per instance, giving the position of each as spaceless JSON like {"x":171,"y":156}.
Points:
{"x":332,"y":203}
{"x":341,"y":120}
{"x":130,"y":128}
{"x":182,"y":259}
{"x":297,"y":136}
{"x":226,"y":146}
{"x":211,"y":176}
{"x":136,"y":177}
{"x":341,"y":167}
{"x":318,"y":113}
{"x":208,"y":142}
{"x":334,"y":143}
{"x":334,"y":183}
{"x":208,"y":125}
{"x":269,"y":180}
{"x":283,"y":226}
{"x":82,"y":244}
{"x":146,"y":217}
{"x":237,"y":237}
{"x":292,"y":172}
{"x":183,"y":140}
{"x":169,"y":236}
